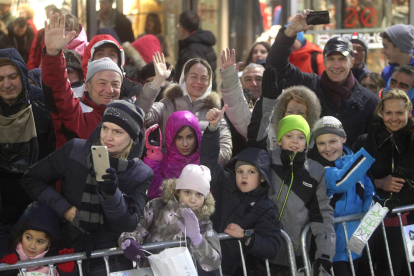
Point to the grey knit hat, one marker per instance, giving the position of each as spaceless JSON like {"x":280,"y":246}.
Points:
{"x":126,"y":115}
{"x":402,"y":36}
{"x":328,"y":125}
{"x":102,"y":65}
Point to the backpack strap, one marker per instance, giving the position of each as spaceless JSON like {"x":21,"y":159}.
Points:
{"x":314,"y":63}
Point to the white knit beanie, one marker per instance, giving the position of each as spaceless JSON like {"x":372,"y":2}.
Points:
{"x":102,"y":65}
{"x":195,"y":177}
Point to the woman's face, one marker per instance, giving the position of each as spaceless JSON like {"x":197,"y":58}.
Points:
{"x":297,"y":108}
{"x":185,"y":141}
{"x":259,"y":52}
{"x":395,"y":114}
{"x":34,"y":242}
{"x":197,"y":81}
{"x":370,"y":84}
{"x":115,"y":138}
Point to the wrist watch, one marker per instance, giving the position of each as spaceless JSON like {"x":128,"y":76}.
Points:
{"x":247,"y":235}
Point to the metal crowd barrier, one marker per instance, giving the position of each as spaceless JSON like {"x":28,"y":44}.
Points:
{"x":105,"y":253}
{"x":355,"y":217}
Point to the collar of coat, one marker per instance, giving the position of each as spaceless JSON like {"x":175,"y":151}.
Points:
{"x":174,"y":92}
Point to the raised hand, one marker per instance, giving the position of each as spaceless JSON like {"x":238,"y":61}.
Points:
{"x":214,"y":115}
{"x":110,"y":183}
{"x":228,"y":59}
{"x":55,"y":37}
{"x":161,"y":70}
{"x":153,"y":142}
{"x":190,"y":226}
{"x":298,"y":24}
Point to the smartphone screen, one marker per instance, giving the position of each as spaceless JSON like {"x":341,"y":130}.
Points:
{"x":318,"y":18}
{"x":100,"y":161}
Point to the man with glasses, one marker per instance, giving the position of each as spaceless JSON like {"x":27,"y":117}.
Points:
{"x":360,"y":54}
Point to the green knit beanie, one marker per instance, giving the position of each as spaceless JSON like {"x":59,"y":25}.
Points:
{"x":292,"y":122}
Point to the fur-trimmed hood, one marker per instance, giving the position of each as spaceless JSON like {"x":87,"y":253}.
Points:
{"x":169,"y":193}
{"x":174,"y":91}
{"x":134,"y":55}
{"x":314,"y":106}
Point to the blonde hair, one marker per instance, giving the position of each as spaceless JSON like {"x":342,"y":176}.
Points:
{"x":393,"y":94}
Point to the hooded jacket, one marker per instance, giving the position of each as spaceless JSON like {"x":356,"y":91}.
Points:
{"x":298,"y":188}
{"x":122,"y":211}
{"x":198,"y":45}
{"x":159,"y":223}
{"x":356,"y":114}
{"x":79,"y":43}
{"x":302,"y":58}
{"x":392,"y":150}
{"x":251,"y":211}
{"x":173,"y":162}
{"x":175,"y":100}
{"x":13,"y":199}
{"x":350,"y":191}
{"x":389,"y":69}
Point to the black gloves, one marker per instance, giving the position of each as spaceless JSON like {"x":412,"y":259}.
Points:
{"x":321,"y":262}
{"x":271,"y":87}
{"x":108,"y":187}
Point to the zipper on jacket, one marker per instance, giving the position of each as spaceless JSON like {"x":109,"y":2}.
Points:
{"x":290,"y":186}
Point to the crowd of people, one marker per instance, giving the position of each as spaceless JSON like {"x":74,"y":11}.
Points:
{"x":297,"y":135}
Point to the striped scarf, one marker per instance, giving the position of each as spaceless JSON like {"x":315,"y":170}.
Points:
{"x":90,"y":213}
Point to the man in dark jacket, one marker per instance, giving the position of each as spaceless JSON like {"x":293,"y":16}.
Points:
{"x":26,"y":133}
{"x":340,"y":94}
{"x":21,"y":36}
{"x":194,"y":43}
{"x":110,"y":18}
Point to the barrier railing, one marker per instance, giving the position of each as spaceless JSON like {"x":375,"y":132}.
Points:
{"x":105,"y":253}
{"x":358,"y":217}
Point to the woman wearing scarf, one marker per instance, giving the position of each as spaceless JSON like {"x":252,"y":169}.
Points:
{"x":96,"y":213}
{"x":192,"y":93}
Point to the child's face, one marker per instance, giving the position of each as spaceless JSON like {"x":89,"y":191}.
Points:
{"x":330,"y":146}
{"x":248,"y":178}
{"x":294,"y":140}
{"x":185,"y":141}
{"x":34,"y":242}
{"x":191,"y":198}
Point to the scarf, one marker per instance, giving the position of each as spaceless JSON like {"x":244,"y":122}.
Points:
{"x":90,"y":217}
{"x":339,"y":93}
{"x":40,"y":268}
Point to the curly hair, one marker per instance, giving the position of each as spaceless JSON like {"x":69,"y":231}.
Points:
{"x":302,"y":95}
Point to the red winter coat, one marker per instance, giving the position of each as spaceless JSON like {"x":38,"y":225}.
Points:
{"x":302,"y":58}
{"x":70,"y":117}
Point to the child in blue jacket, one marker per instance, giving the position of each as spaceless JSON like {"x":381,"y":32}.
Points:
{"x":349,"y":188}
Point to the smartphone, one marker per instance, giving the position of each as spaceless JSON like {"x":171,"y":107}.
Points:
{"x":100,"y":159}
{"x":318,"y":18}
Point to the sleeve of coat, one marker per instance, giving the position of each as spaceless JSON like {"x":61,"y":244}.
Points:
{"x":209,"y":153}
{"x":238,"y":110}
{"x":147,"y":98}
{"x":123,"y":213}
{"x":369,"y":192}
{"x":341,"y":180}
{"x":321,"y":222}
{"x":58,"y":93}
{"x":265,"y":242}
{"x":39,"y":179}
{"x":278,"y":57}
{"x":226,"y":144}
{"x":208,"y":252}
{"x":154,"y":190}
{"x":259,"y":123}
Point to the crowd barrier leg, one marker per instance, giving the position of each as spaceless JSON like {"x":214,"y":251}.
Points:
{"x":24,"y":272}
{"x":371,"y":267}
{"x":405,"y":245}
{"x":242,"y":259}
{"x":267,"y":267}
{"x":351,"y":263}
{"x":291,"y":254}
{"x":79,"y":262}
{"x":305,"y":257}
{"x":106,"y":258}
{"x":387,"y":248}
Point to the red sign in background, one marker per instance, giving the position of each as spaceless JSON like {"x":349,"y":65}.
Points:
{"x":368,"y":17}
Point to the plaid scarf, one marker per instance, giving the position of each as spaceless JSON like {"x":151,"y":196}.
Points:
{"x":90,"y":213}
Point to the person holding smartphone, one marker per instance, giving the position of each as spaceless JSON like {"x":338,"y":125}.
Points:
{"x":391,"y":141}
{"x":96,"y":212}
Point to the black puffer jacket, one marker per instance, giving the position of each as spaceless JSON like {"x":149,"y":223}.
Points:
{"x":252,"y":210}
{"x":391,"y":151}
{"x":198,"y":45}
